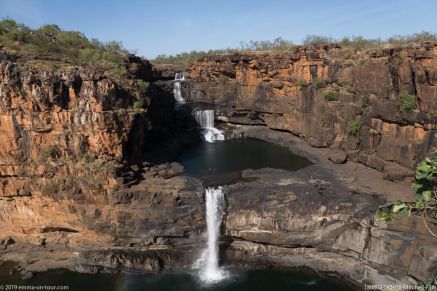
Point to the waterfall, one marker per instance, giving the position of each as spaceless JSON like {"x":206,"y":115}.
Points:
{"x":208,"y":264}
{"x":177,"y":88}
{"x":205,"y":119}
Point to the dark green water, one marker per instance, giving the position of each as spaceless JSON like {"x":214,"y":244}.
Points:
{"x":222,"y":162}
{"x":239,"y":280}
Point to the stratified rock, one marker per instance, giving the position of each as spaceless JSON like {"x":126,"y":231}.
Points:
{"x":74,"y":176}
{"x":286,"y":219}
{"x":287,"y":92}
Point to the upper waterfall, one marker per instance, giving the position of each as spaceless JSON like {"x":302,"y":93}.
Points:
{"x":177,"y":88}
{"x":205,"y":119}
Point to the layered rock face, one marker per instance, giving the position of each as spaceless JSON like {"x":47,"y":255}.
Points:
{"x":73,"y":175}
{"x":318,"y":92}
{"x":78,"y":191}
{"x":288,"y":220}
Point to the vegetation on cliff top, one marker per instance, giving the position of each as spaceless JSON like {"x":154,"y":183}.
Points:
{"x":280,"y":45}
{"x":50,"y":43}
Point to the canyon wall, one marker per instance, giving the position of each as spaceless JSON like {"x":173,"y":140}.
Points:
{"x":83,"y":186}
{"x":320,"y":92}
{"x":74,"y":173}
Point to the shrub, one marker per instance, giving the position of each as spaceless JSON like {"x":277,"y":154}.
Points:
{"x":354,"y":126}
{"x":222,"y":79}
{"x":421,"y":78}
{"x":138,"y":105}
{"x":49,"y":42}
{"x":302,"y":83}
{"x":143,"y":85}
{"x":50,"y":152}
{"x":365,"y":101}
{"x":318,"y":40}
{"x":407,"y":101}
{"x":319,"y":83}
{"x":332,"y":95}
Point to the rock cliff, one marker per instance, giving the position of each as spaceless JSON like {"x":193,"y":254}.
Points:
{"x":83,"y":186}
{"x":320,"y":93}
{"x":73,"y":169}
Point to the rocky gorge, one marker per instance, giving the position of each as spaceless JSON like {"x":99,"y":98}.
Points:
{"x":87,"y":180}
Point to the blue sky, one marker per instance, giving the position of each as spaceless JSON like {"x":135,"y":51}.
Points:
{"x":168,"y":27}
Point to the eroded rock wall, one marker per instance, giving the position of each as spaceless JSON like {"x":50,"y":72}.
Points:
{"x":307,"y":219}
{"x":288,"y":91}
{"x":74,"y":175}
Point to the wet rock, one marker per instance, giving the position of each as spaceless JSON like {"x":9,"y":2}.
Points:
{"x":26,"y":275}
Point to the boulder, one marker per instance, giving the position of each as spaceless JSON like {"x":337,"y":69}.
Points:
{"x":337,"y":157}
{"x":397,"y":173}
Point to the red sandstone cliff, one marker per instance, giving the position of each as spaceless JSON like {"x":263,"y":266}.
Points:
{"x":288,"y":91}
{"x":76,"y":193}
{"x":72,"y":175}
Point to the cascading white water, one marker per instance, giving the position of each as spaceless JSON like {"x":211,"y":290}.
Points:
{"x":205,"y":119}
{"x":177,"y":88}
{"x":208,"y":264}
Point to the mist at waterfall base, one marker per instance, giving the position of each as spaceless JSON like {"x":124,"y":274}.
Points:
{"x":222,"y":162}
{"x":183,"y":280}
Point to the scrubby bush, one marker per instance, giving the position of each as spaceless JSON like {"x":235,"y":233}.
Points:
{"x":143,"y":85}
{"x":282,"y":45}
{"x":318,"y":40}
{"x":354,"y":126}
{"x":138,"y":105}
{"x":319,"y":83}
{"x":407,"y":101}
{"x":302,"y":83}
{"x":359,"y":42}
{"x":49,"y":42}
{"x":277,"y":45}
{"x":365,"y":101}
{"x":332,"y":95}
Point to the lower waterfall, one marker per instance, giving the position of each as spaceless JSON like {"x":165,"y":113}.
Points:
{"x":208,"y":263}
{"x":205,"y":119}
